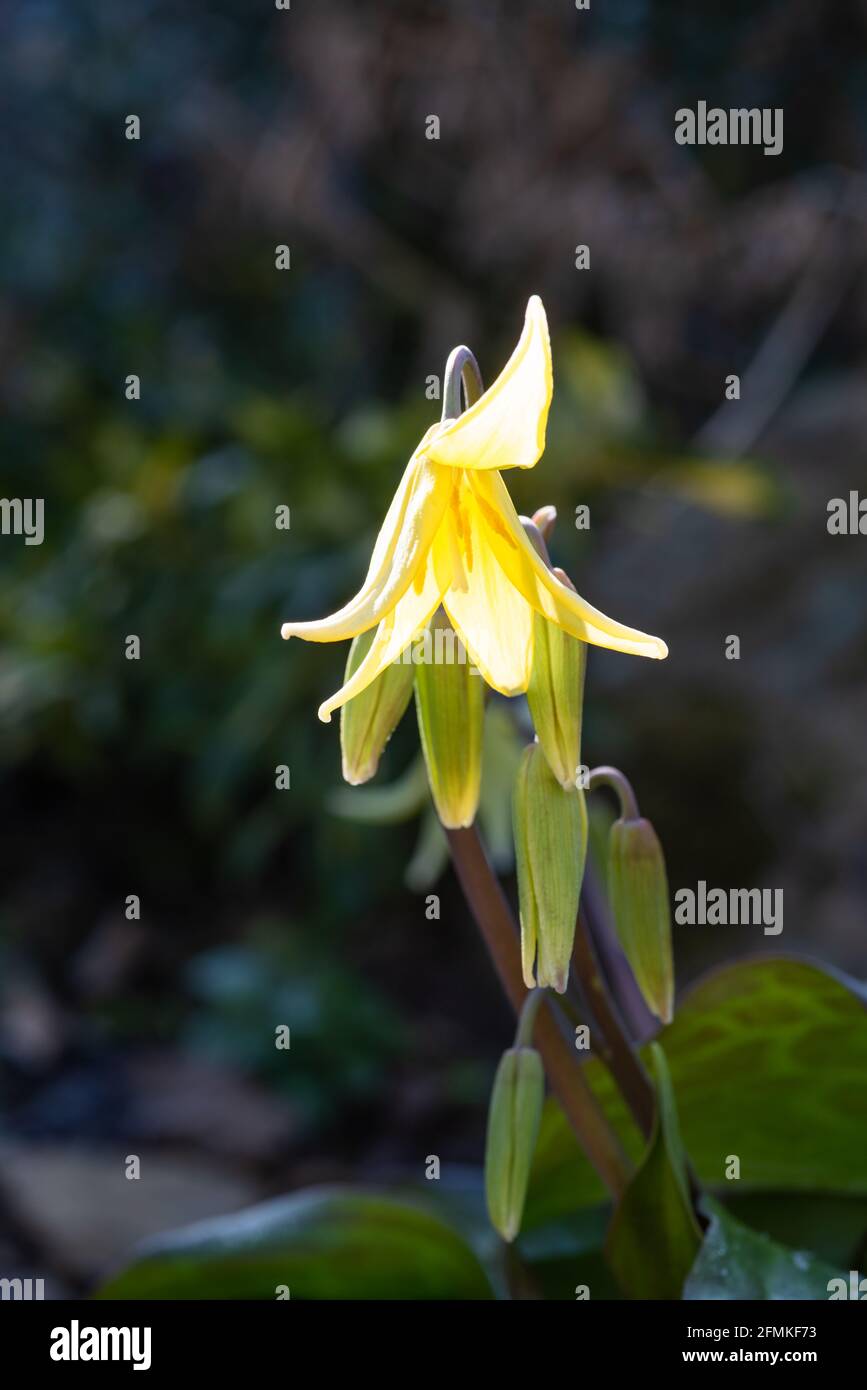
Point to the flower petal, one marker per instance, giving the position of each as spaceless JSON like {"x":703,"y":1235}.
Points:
{"x":529,"y":574}
{"x":404,"y":540}
{"x":395,"y":632}
{"x":494,"y":621}
{"x":506,"y":426}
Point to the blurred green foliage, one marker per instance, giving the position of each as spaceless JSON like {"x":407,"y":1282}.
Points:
{"x":341,"y":1035}
{"x":261,"y":390}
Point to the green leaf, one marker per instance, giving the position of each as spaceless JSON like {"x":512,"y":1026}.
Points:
{"x":386,"y":805}
{"x":325,"y":1243}
{"x":736,"y":1262}
{"x":409,"y":796}
{"x":501,"y":755}
{"x":431,"y":853}
{"x":768,"y":1061}
{"x":568,"y":1254}
{"x":832,"y":1226}
{"x":561,"y":1179}
{"x":654,"y":1236}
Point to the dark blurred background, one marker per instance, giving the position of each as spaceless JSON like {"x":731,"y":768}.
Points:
{"x":306,"y":388}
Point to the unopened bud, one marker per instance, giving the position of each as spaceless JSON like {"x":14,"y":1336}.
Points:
{"x":638,"y":887}
{"x":550,"y":827}
{"x":556,"y":695}
{"x":514,"y":1117}
{"x":368,"y":721}
{"x":544,"y":518}
{"x":450,"y":701}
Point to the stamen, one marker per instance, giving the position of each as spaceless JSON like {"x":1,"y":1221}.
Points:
{"x":496,"y":522}
{"x":459,"y":576}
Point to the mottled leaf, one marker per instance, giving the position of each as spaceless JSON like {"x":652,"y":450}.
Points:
{"x":768,"y":1061}
{"x":325,"y":1243}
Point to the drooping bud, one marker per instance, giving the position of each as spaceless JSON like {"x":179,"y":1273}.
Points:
{"x":556,"y":695}
{"x":368,"y":721}
{"x":544,"y":518}
{"x":514,"y":1117}
{"x":550,"y":827}
{"x":638,"y":887}
{"x":450,"y":702}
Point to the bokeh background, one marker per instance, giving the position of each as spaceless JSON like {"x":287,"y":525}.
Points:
{"x":306,"y":388}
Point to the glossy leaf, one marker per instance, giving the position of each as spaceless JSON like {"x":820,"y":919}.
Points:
{"x":654,"y":1235}
{"x":736,"y":1262}
{"x":325,"y":1243}
{"x":768,"y":1061}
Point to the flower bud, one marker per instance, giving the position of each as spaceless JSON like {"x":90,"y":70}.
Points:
{"x":638,"y":887}
{"x":544,"y":519}
{"x":556,"y":695}
{"x":368,"y":721}
{"x":450,"y":702}
{"x":514,"y":1117}
{"x":550,"y":827}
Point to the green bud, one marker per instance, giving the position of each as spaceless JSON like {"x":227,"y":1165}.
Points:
{"x":638,"y":887}
{"x":556,"y":695}
{"x":450,"y":703}
{"x":550,"y":827}
{"x":368,"y":721}
{"x":514,"y":1117}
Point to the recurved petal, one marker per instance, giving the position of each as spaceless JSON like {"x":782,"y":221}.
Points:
{"x":494,"y":621}
{"x":404,"y":540}
{"x":395,"y":632}
{"x":506,"y":426}
{"x":529,"y":574}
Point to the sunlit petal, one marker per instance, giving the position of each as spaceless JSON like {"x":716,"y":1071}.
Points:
{"x":506,"y":426}
{"x":494,"y":621}
{"x":394,"y":634}
{"x":507,"y":538}
{"x":404,"y":540}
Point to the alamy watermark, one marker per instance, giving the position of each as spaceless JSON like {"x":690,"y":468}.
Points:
{"x":77,"y":1343}
{"x":741,"y":125}
{"x":847,"y":516}
{"x":22,"y":1290}
{"x":438,"y":646}
{"x":23,"y":516}
{"x":855,"y":1290}
{"x":745,"y":907}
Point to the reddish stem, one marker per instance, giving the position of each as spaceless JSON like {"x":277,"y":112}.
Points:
{"x":497,"y":925}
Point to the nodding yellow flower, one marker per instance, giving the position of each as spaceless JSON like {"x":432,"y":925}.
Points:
{"x":452,"y":536}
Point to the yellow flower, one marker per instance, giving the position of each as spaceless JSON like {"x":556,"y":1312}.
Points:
{"x":452,"y":537}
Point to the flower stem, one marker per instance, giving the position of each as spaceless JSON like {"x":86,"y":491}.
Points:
{"x":612,"y":777}
{"x":614,"y":1047}
{"x":527,"y":1018}
{"x":638,"y":1022}
{"x":461,"y":368}
{"x":494,"y":919}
